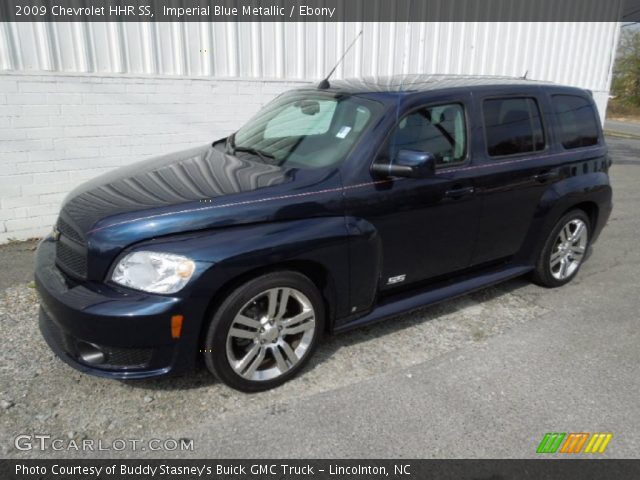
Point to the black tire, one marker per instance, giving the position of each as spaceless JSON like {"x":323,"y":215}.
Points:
{"x":542,"y":275}
{"x":215,"y":344}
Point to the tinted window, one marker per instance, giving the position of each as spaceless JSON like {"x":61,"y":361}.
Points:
{"x":439,"y":130}
{"x":577,"y":120}
{"x":513,"y":126}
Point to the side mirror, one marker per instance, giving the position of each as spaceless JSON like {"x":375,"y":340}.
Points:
{"x":408,"y":163}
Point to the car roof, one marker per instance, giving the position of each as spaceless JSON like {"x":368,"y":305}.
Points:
{"x":424,"y":83}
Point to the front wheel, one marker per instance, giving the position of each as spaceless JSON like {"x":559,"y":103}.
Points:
{"x":265,"y":331}
{"x":564,"y":250}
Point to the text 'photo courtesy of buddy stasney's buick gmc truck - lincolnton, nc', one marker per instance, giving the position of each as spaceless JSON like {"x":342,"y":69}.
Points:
{"x":335,"y":206}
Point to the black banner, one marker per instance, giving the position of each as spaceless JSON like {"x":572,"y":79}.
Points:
{"x":318,"y":10}
{"x":540,"y":469}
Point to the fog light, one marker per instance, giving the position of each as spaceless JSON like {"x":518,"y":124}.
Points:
{"x":90,"y":353}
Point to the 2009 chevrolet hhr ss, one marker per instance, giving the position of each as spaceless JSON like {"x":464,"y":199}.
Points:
{"x":335,"y":206}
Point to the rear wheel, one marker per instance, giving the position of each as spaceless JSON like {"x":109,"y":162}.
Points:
{"x":265,"y":331}
{"x":564,"y":250}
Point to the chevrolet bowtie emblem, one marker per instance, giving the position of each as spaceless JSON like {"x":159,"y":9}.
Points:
{"x":55,"y":234}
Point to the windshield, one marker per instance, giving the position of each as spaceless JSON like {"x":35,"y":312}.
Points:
{"x":305,"y":129}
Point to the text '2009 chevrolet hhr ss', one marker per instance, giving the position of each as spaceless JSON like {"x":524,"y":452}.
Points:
{"x":334,"y":207}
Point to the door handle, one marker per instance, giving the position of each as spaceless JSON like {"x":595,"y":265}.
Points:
{"x":459,"y":192}
{"x":544,"y":176}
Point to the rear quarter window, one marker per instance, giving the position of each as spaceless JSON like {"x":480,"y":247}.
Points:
{"x":576,"y":120}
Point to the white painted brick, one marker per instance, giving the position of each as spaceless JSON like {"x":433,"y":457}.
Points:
{"x":141,"y":88}
{"x":43,"y":155}
{"x":64,"y":99}
{"x":10,"y":110}
{"x":52,"y":197}
{"x":8,"y":86}
{"x":83,"y":175}
{"x":40,"y":210}
{"x":116,"y":150}
{"x":9,"y":191}
{"x":225,"y":87}
{"x":8,"y":169}
{"x":74,"y":87}
{"x":32,"y":223}
{"x":41,"y":110}
{"x":44,"y":133}
{"x":33,"y":87}
{"x":35,"y":166}
{"x":69,"y":120}
{"x":51,"y":177}
{"x":111,"y":98}
{"x":28,"y":121}
{"x":115,"y":87}
{"x":78,"y":109}
{"x":22,"y":201}
{"x":16,"y":157}
{"x":10,"y":180}
{"x":25,"y":145}
{"x":77,"y":152}
{"x":47,"y":188}
{"x":28,"y":99}
{"x":12,"y":134}
{"x":13,"y":213}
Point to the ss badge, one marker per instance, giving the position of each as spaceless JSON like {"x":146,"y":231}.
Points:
{"x":396,"y":279}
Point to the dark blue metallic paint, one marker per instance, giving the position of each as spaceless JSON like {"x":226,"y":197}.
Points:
{"x":345,"y":228}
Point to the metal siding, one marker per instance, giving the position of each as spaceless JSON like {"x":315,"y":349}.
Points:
{"x":570,"y":53}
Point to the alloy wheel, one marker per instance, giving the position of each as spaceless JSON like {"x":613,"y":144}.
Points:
{"x":270,"y":334}
{"x":569,"y":249}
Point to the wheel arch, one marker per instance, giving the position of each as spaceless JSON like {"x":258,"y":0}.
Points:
{"x":317,"y":273}
{"x":589,"y":207}
{"x":589,"y":193}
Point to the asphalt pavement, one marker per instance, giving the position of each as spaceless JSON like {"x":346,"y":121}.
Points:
{"x":482,"y":376}
{"x":626,"y":128}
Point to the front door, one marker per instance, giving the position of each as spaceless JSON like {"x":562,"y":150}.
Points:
{"x":427,"y":227}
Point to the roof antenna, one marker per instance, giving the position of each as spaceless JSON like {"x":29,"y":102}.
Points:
{"x":324,"y":84}
{"x":524,"y":77}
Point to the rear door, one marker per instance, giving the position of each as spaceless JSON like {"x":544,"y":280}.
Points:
{"x":515,"y":166}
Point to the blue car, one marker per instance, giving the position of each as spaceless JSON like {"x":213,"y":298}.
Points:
{"x":336,"y":206}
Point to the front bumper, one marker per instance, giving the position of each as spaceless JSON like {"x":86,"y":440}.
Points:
{"x":130,"y":330}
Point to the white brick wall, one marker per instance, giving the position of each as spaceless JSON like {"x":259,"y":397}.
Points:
{"x":57,"y":131}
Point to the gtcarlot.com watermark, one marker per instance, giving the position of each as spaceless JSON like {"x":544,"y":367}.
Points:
{"x":44,"y":442}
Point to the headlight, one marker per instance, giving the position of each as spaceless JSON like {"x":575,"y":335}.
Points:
{"x":153,"y":272}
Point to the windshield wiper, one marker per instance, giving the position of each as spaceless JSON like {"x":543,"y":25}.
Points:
{"x":254,"y":151}
{"x":232,"y":149}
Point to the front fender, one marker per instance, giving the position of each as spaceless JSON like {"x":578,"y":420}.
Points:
{"x":236,"y":251}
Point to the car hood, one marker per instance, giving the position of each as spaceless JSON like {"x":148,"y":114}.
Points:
{"x":164,"y":183}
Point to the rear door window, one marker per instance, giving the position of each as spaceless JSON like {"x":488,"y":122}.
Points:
{"x":577,"y":121}
{"x":513,"y":126}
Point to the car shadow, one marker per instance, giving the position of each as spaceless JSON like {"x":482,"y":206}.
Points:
{"x":201,"y":378}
